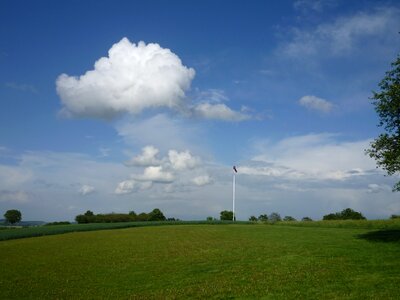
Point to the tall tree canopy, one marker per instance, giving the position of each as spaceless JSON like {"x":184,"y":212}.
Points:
{"x":13,"y":216}
{"x":385,"y":149}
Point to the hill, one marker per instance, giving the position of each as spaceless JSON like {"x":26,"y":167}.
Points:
{"x":204,"y":261}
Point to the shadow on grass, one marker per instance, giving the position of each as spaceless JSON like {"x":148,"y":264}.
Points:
{"x":387,"y":236}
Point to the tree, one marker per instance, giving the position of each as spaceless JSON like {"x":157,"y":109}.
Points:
{"x":332,"y":216}
{"x":13,"y":216}
{"x":306,"y":219}
{"x":345,"y":214}
{"x":349,"y":214}
{"x":209,"y":218}
{"x":274,"y":217}
{"x":263,"y":218}
{"x":385,"y":149}
{"x":156,"y":215}
{"x":226,"y":215}
{"x":253,"y":219}
{"x":142,"y":217}
{"x":89,"y":213}
{"x":81,"y":219}
{"x":289,"y":219}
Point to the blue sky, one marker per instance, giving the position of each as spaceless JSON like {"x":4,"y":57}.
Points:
{"x":125,"y":105}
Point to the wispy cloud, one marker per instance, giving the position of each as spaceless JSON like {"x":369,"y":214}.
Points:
{"x":14,"y":197}
{"x":341,"y":36}
{"x":306,"y":6}
{"x":21,"y":87}
{"x":312,"y":157}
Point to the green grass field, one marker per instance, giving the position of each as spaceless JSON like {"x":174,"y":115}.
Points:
{"x":204,"y":261}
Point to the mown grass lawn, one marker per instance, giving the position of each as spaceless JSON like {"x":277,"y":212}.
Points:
{"x":203,"y":261}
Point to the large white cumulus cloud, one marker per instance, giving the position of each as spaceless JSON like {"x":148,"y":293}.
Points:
{"x":132,"y":78}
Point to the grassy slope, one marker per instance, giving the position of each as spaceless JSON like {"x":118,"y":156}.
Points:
{"x":274,"y":262}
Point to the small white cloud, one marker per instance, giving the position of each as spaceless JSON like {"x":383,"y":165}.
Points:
{"x":86,"y":190}
{"x":131,"y":79}
{"x":156,"y":174}
{"x":202,"y":180}
{"x":219,"y":112}
{"x":125,"y":187}
{"x":182,"y":160}
{"x":148,"y":157}
{"x":315,"y":103}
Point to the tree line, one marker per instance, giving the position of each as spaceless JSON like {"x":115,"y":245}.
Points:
{"x":89,"y":217}
{"x":345,"y":214}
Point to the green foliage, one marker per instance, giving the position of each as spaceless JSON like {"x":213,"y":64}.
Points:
{"x":289,"y":219}
{"x":201,"y":262}
{"x":13,"y":216}
{"x":226,"y":215}
{"x":385,"y":149}
{"x":57,"y":223}
{"x":263,"y":218}
{"x":274,"y":217}
{"x":156,"y":215}
{"x":345,"y":214}
{"x":90,"y":217}
{"x":142,"y":217}
{"x":209,"y":218}
{"x":306,"y":219}
{"x":253,"y":219}
{"x":332,"y":216}
{"x":395,"y":217}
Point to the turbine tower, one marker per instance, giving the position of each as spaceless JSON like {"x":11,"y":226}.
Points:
{"x":234,"y":192}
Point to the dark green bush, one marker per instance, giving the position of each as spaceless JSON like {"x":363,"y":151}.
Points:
{"x":345,"y":214}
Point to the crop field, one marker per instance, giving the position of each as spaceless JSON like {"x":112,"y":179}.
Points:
{"x":204,"y":261}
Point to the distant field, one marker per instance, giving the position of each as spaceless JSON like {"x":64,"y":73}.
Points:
{"x":17,"y":233}
{"x":204,"y":261}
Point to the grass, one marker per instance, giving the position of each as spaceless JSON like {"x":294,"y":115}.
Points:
{"x":220,"y":262}
{"x":17,"y":233}
{"x":365,"y":224}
